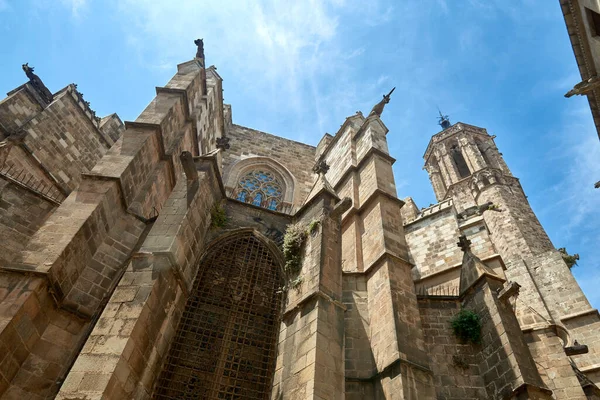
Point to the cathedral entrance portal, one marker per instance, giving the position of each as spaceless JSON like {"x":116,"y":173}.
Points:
{"x":225,"y":344}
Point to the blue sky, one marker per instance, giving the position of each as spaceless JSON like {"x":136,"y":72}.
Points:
{"x":297,"y":69}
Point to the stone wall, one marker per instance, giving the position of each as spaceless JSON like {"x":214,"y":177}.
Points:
{"x":123,"y":355}
{"x":455,"y":365}
{"x":517,"y":233}
{"x":432,"y":240}
{"x":18,"y":108}
{"x":297,"y":158}
{"x":21,"y":215}
{"x":65,"y":140}
{"x":37,"y":339}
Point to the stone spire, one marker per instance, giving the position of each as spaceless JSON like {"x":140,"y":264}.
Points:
{"x":472,"y":268}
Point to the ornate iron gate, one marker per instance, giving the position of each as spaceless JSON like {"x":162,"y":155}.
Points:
{"x":225,"y":345}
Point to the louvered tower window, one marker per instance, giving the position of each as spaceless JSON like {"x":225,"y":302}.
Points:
{"x":225,"y":344}
{"x":260,"y":188}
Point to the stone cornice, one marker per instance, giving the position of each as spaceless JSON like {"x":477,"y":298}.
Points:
{"x":315,"y":295}
{"x":432,"y":210}
{"x":372,"y":197}
{"x":568,"y":317}
{"x":397,"y":361}
{"x":455,"y":267}
{"x":384,"y":256}
{"x":354,"y":168}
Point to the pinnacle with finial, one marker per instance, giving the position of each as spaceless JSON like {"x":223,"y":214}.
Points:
{"x":443,"y":120}
{"x":464,"y":243}
{"x":378,"y":108}
{"x":321,"y":168}
{"x":223,"y":143}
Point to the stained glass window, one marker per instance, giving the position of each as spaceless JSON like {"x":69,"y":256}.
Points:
{"x":242,"y":195}
{"x":260,"y":188}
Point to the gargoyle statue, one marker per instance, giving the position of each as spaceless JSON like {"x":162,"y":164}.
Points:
{"x":378,"y":108}
{"x":479,"y":210}
{"x":584,"y":87}
{"x":570,"y":260}
{"x":37,"y":84}
{"x":200,"y":50}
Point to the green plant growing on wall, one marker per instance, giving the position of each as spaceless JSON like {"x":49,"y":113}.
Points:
{"x":293,"y":240}
{"x":494,"y":207}
{"x":294,"y":283}
{"x":466,"y":326}
{"x":218,"y":217}
{"x":313,"y":226}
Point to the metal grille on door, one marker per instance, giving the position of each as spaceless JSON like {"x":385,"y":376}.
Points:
{"x":225,"y":344}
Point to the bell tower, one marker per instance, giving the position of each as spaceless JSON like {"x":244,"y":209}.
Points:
{"x":465,"y":166}
{"x":458,"y":152}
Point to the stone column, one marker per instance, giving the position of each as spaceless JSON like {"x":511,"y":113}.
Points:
{"x":437,"y":181}
{"x":471,"y":153}
{"x":446,"y":164}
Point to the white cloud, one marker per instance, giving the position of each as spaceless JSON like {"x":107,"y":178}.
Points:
{"x":76,"y":6}
{"x":4,"y":6}
{"x":572,"y":204}
{"x":277,"y":50}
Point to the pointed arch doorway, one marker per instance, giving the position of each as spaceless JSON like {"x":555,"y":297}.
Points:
{"x":226,"y":341}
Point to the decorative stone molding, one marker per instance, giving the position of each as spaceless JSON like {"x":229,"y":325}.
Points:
{"x":453,"y":130}
{"x":245,"y":165}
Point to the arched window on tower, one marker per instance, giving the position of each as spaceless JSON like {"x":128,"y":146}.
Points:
{"x":486,"y":152}
{"x":225,"y":345}
{"x":261,"y":188}
{"x":459,"y":161}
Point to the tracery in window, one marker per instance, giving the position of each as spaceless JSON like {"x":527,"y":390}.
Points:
{"x":261,"y":188}
{"x":242,"y":195}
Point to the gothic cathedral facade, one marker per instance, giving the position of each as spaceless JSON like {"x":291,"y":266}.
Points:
{"x":182,"y":256}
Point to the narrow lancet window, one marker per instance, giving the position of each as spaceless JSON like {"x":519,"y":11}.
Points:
{"x":242,"y":195}
{"x":257,"y":199}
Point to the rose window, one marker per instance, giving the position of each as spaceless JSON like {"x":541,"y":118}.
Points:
{"x":260,"y":188}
